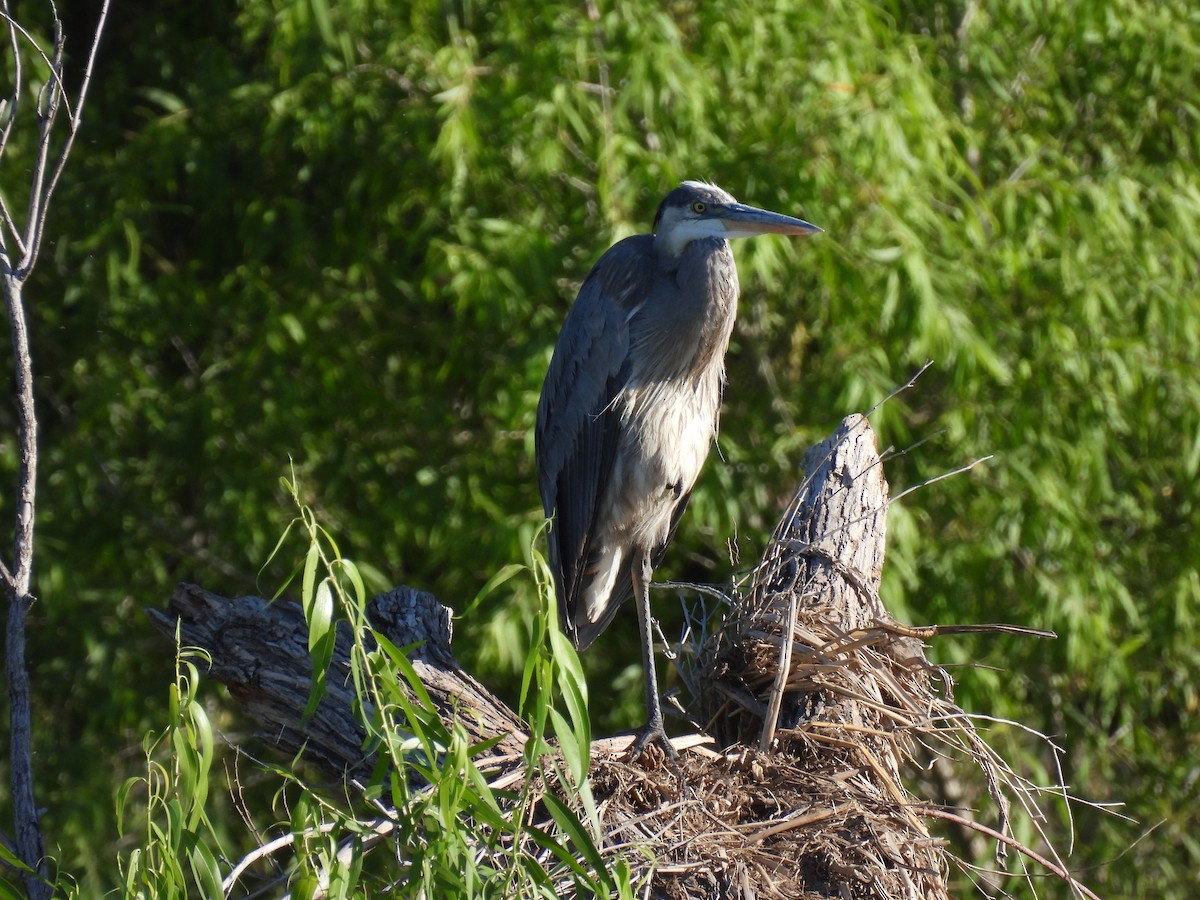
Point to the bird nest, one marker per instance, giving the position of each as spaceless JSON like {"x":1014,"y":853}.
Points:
{"x":766,"y":825}
{"x":823,"y":811}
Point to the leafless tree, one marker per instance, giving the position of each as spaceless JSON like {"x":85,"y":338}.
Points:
{"x":21,"y":239}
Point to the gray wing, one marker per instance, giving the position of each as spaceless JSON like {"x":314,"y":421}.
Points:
{"x":577,"y":431}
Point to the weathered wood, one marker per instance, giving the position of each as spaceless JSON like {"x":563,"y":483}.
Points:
{"x":825,"y":558}
{"x":259,"y":650}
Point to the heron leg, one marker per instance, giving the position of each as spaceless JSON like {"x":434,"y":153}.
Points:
{"x":652,"y":731}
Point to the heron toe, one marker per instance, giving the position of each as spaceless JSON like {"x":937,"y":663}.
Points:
{"x":652,"y":734}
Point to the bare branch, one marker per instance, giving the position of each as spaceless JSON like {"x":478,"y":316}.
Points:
{"x":270,"y":847}
{"x":10,"y":115}
{"x":936,"y":478}
{"x":15,"y":27}
{"x":11,"y":224}
{"x":18,"y":77}
{"x":928,"y":632}
{"x":37,"y":225}
{"x":51,"y":96}
{"x":902,"y":388}
{"x":934,"y":812}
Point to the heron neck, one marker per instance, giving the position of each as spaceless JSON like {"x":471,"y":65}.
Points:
{"x":686,"y":326}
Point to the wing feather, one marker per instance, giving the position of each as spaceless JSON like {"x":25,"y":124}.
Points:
{"x":578,"y":432}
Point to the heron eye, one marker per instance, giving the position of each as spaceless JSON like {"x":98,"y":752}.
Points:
{"x":699,"y":206}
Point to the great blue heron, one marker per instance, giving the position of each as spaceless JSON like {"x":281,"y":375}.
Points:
{"x":630,"y":405}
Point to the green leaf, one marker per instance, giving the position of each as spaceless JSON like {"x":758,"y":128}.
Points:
{"x":563,"y":855}
{"x":206,"y":872}
{"x":122,"y":798}
{"x":504,"y":574}
{"x":322,"y":638}
{"x":356,"y":581}
{"x":311,"y":561}
{"x":11,"y":860}
{"x":580,"y":840}
{"x":574,"y":751}
{"x":320,"y":620}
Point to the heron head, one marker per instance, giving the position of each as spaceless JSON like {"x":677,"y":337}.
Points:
{"x":696,"y":210}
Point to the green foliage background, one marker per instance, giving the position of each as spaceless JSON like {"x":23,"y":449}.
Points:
{"x":346,"y":233}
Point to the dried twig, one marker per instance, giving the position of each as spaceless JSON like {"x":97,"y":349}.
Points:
{"x":771,"y":720}
{"x":934,"y":812}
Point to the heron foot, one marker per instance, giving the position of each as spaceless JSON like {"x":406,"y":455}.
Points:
{"x":652,"y":733}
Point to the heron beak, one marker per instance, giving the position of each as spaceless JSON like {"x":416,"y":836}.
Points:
{"x":747,"y":221}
